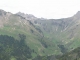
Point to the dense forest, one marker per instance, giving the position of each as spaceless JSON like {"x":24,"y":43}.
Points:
{"x":12,"y":49}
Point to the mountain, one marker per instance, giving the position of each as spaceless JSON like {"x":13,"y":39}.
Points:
{"x":64,"y":33}
{"x":14,"y":26}
{"x":45,"y":37}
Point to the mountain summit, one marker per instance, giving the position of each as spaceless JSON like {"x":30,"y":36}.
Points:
{"x":27,"y":16}
{"x":77,"y":15}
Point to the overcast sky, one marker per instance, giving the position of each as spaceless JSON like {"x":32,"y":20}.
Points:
{"x":42,"y":8}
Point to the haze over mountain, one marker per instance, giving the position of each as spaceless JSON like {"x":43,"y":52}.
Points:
{"x":44,"y":37}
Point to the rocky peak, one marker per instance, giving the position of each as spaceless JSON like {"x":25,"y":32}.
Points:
{"x":26,"y":16}
{"x":77,"y":15}
{"x":3,"y":13}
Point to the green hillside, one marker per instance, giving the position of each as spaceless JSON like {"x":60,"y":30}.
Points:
{"x":13,"y":25}
{"x":44,"y":37}
{"x":73,"y":55}
{"x":63,"y":31}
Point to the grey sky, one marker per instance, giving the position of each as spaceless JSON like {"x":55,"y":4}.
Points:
{"x":42,"y":8}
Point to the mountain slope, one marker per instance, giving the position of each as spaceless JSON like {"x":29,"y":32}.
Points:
{"x":15,"y":25}
{"x":43,"y":36}
{"x":73,"y":55}
{"x":62,"y":31}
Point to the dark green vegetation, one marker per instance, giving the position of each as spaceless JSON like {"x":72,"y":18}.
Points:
{"x":52,"y":57}
{"x":73,"y":55}
{"x":11,"y":49}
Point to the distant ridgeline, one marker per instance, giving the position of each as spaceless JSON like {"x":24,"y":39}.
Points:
{"x":14,"y":49}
